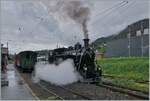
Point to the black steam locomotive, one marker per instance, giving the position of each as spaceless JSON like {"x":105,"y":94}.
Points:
{"x":84,"y":60}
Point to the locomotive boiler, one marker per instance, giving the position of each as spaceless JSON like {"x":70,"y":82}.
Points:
{"x":84,"y":60}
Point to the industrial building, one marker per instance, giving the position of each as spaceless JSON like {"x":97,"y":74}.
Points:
{"x":133,"y":41}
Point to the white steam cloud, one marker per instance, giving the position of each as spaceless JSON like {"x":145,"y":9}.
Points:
{"x":61,"y":74}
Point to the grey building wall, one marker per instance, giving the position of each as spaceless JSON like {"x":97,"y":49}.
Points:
{"x":120,"y":47}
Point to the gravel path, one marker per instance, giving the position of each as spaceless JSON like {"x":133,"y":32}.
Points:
{"x":98,"y":93}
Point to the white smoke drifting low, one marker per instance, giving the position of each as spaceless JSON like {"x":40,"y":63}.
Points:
{"x":61,"y":74}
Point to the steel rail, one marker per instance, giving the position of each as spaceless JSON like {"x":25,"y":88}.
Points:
{"x":69,"y":90}
{"x":123,"y":87}
{"x":76,"y":93}
{"x":133,"y":93}
{"x":57,"y":96}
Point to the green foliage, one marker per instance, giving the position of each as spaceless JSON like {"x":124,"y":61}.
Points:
{"x":52,"y":98}
{"x":102,"y":48}
{"x":131,"y":84}
{"x":132,"y":68}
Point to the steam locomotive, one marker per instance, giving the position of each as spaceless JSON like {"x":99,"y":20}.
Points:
{"x":84,"y":60}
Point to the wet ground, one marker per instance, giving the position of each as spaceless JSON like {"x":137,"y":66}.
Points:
{"x":16,"y":89}
{"x":91,"y":91}
{"x":39,"y":92}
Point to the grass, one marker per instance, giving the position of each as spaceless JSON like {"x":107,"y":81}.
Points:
{"x":131,"y":84}
{"x":132,"y":68}
{"x":52,"y":98}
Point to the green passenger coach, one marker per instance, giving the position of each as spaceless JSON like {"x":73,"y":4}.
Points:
{"x":27,"y":60}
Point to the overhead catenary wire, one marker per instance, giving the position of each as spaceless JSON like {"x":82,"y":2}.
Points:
{"x":126,"y":7}
{"x":111,"y":11}
{"x":120,"y":4}
{"x":41,"y":19}
{"x":105,"y":11}
{"x":122,"y":14}
{"x":36,"y":25}
{"x":114,"y":6}
{"x":32,"y":30}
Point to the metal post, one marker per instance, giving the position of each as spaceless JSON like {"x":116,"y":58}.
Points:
{"x":7,"y":44}
{"x":75,"y":38}
{"x":129,"y":44}
{"x":57,"y":45}
{"x":7,"y":48}
{"x":142,"y":32}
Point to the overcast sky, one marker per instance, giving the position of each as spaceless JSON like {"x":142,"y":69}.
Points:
{"x":36,"y":25}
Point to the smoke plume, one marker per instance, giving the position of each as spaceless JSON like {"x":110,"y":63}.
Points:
{"x":73,"y":9}
{"x":61,"y":74}
{"x":80,"y":14}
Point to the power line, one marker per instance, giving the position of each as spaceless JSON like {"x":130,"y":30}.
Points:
{"x":41,"y":19}
{"x":118,"y":4}
{"x":121,"y":5}
{"x":123,"y":13}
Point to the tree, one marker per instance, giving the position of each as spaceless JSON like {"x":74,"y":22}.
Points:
{"x":102,"y":48}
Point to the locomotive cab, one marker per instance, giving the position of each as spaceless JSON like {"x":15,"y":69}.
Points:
{"x":84,"y":60}
{"x":88,"y":68}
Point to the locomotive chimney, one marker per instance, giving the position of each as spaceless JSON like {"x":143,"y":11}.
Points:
{"x":86,"y":42}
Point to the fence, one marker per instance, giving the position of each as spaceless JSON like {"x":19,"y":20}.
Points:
{"x":120,"y":47}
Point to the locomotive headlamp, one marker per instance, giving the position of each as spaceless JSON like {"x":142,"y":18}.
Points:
{"x":73,"y":53}
{"x":85,"y":69}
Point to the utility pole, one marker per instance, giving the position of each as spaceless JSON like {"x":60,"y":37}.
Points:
{"x":142,"y":33}
{"x":57,"y":45}
{"x":7,"y":47}
{"x":129,"y":42}
{"x":75,"y":38}
{"x":7,"y":44}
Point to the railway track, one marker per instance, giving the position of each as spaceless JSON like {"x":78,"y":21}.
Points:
{"x":132,"y":92}
{"x":64,"y":92}
{"x":78,"y":91}
{"x":70,"y":92}
{"x":118,"y":77}
{"x":55,"y":96}
{"x":37,"y":90}
{"x":45,"y":91}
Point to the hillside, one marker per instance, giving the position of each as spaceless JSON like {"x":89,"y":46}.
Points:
{"x":123,"y":34}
